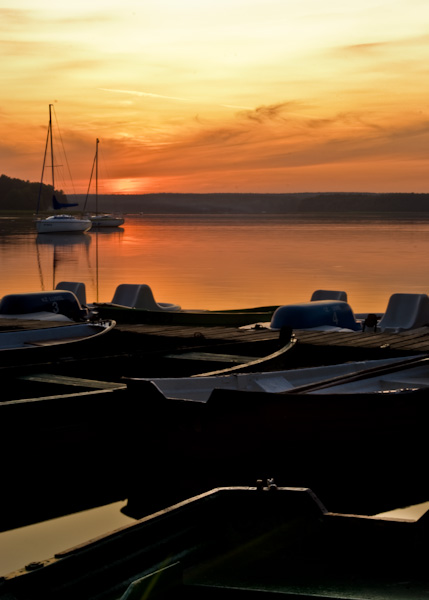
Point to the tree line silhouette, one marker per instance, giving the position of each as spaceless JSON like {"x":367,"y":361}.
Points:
{"x":16,"y":194}
{"x":19,"y":195}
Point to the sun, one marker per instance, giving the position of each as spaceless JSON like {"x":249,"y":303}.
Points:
{"x":128,"y":185}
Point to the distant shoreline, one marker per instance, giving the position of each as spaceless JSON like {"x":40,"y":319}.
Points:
{"x":322,"y":204}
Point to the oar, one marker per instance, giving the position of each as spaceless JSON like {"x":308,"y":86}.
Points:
{"x":358,"y":375}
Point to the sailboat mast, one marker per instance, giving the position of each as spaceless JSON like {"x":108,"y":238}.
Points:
{"x":48,"y":138}
{"x":52,"y":148}
{"x":96,"y":176}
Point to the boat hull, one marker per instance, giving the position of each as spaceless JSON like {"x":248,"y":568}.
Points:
{"x":60,"y":225}
{"x":24,"y":346}
{"x":106,"y":221}
{"x":258,"y":542}
{"x":359,"y":451}
{"x":207,"y":318}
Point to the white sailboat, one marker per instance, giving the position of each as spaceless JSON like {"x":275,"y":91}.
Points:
{"x":103,"y":219}
{"x":57,"y":223}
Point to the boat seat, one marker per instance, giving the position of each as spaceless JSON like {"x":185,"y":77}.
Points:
{"x":405,"y":311}
{"x":76,"y":287}
{"x":140,"y":296}
{"x":329,"y":295}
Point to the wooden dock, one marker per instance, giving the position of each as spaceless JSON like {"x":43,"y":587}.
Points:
{"x":415,"y":340}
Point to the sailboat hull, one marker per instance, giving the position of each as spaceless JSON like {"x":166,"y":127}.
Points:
{"x":106,"y":221}
{"x":63,"y":223}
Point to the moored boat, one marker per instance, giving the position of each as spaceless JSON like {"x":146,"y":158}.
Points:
{"x":258,"y":541}
{"x":57,"y":223}
{"x":58,"y":305}
{"x":135,"y":303}
{"x":106,"y":220}
{"x":358,"y":448}
{"x":63,"y":224}
{"x":100,"y":219}
{"x":51,"y":336}
{"x":391,"y":375}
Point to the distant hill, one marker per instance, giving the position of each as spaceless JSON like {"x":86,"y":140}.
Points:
{"x":326,"y":203}
{"x":16,"y":194}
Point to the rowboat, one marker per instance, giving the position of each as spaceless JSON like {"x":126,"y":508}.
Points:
{"x":363,"y":452}
{"x":258,"y":541}
{"x":193,"y":317}
{"x":135,"y":303}
{"x":20,"y":345}
{"x":392,"y":375}
{"x":206,"y":433}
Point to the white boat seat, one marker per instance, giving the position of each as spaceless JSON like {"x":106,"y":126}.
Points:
{"x":140,"y":296}
{"x":76,"y":287}
{"x":405,"y":311}
{"x":329,"y":295}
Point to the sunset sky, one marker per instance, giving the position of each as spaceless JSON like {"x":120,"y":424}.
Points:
{"x":220,"y":95}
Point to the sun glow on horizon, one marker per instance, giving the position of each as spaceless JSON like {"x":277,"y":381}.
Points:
{"x":128,"y":186}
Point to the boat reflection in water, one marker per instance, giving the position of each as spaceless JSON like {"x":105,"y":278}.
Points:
{"x":66,"y":252}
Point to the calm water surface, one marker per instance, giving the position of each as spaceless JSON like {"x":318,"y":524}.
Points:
{"x":210,"y":262}
{"x":219,"y":262}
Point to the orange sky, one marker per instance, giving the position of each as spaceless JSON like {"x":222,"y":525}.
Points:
{"x":220,"y":96}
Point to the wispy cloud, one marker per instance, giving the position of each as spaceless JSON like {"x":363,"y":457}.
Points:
{"x":144,"y":94}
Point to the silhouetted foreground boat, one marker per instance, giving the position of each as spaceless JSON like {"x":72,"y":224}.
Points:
{"x":66,"y":451}
{"x":259,"y":542}
{"x":80,"y":447}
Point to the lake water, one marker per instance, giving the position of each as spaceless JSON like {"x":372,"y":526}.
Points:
{"x":213,"y":262}
{"x":220,"y":262}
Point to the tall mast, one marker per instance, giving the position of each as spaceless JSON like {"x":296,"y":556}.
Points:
{"x":52,"y":147}
{"x":96,"y":176}
{"x":48,"y":138}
